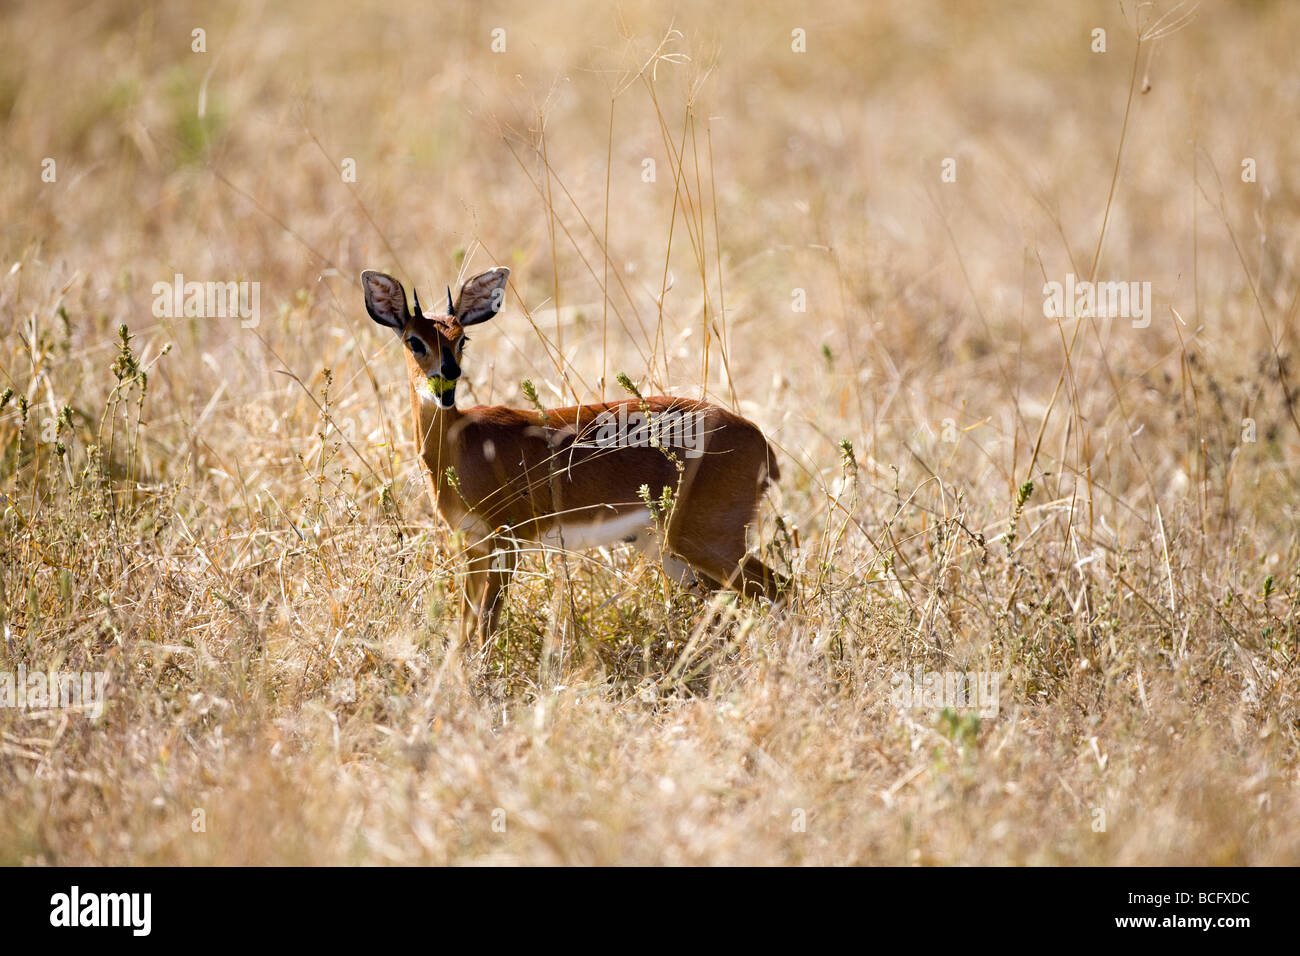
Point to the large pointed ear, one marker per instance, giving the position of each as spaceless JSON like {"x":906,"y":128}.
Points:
{"x":385,"y":299}
{"x":482,"y":296}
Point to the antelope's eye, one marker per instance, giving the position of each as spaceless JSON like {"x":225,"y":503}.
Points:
{"x":417,"y":347}
{"x":461,"y":343}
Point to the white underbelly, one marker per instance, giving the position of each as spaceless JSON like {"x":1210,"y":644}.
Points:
{"x":634,"y":528}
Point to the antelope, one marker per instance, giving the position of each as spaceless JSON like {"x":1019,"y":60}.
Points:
{"x":505,"y":475}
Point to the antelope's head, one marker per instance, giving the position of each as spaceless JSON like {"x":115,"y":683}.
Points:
{"x":435,"y":341}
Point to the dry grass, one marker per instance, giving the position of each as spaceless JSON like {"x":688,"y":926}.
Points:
{"x":241,"y":538}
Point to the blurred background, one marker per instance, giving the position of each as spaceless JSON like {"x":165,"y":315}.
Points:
{"x":797,"y":148}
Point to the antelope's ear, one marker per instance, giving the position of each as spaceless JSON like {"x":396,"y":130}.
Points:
{"x":482,"y":297}
{"x":385,"y":299}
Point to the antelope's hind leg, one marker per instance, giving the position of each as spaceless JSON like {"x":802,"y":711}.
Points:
{"x":727,"y":564}
{"x":677,"y":569}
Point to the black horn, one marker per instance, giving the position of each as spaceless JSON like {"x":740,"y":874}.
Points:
{"x":451,"y":309}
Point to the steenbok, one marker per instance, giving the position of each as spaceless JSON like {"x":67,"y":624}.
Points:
{"x":576,"y":477}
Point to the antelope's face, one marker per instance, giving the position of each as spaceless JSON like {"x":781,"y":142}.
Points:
{"x":435,"y":341}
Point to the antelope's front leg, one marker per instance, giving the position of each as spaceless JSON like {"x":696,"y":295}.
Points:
{"x":486,"y":581}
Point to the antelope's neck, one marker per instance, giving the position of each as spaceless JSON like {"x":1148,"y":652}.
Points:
{"x":434,"y":439}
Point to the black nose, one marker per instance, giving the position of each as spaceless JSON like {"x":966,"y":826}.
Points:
{"x":450,"y":369}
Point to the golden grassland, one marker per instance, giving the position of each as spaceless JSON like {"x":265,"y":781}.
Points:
{"x":228,"y":518}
